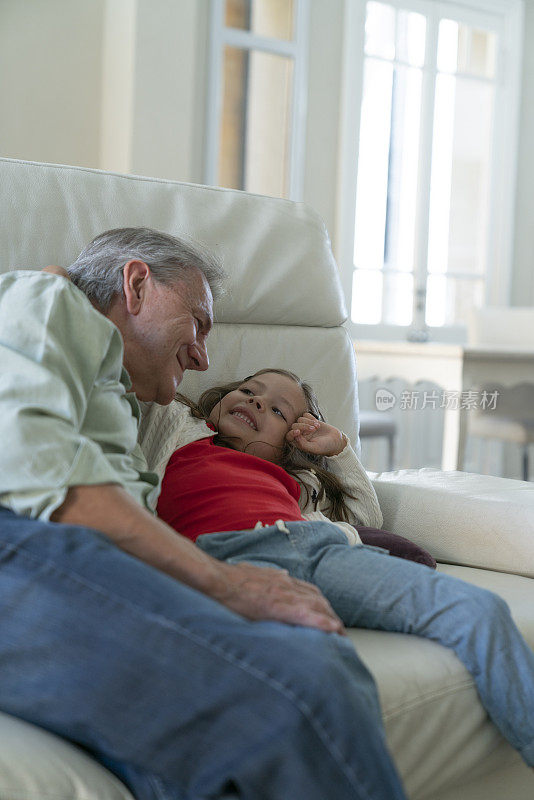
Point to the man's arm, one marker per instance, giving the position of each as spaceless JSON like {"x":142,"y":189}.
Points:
{"x":254,"y":592}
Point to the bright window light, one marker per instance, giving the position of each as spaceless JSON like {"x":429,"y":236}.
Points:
{"x":398,"y":218}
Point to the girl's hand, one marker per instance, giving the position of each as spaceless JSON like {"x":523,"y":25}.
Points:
{"x":313,"y":436}
{"x":54,"y":270}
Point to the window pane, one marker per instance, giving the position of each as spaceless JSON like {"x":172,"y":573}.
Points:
{"x":403,"y":169}
{"x":366,"y":297}
{"x":395,"y":35}
{"x":388,"y":167}
{"x":483,"y":54}
{"x":232,"y":141}
{"x":254,"y":145}
{"x":273,"y":18}
{"x":448,"y":46}
{"x":373,"y":163}
{"x":449,"y":300}
{"x":380,"y":30}
{"x":237,"y":14}
{"x":397,"y":298}
{"x":385,"y":297}
{"x":464,"y":50}
{"x":411,"y":38}
{"x":460,"y":181}
{"x":268,"y":124}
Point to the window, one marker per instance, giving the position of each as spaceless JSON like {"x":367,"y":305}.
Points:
{"x":426,"y":231}
{"x":257,"y":92}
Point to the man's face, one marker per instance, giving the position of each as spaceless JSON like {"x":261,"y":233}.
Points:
{"x":167,"y":335}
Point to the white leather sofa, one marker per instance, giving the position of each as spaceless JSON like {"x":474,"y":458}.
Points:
{"x":284,"y":308}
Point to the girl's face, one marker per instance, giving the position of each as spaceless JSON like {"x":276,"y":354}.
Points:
{"x":257,"y":416}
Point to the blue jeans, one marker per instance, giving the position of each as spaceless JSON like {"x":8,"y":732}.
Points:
{"x":179,"y":696}
{"x":369,"y":589}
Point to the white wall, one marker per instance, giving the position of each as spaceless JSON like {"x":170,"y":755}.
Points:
{"x":168,"y":118}
{"x":118,"y":85}
{"x":50,"y":80}
{"x":112,"y":84}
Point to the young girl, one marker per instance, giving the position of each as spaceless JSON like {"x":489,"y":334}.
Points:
{"x":312,"y":461}
{"x":256,"y":462}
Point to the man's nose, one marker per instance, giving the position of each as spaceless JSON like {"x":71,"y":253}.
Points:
{"x":198,"y":357}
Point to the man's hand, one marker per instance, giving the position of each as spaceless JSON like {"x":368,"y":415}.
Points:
{"x":53,"y":270}
{"x":257,"y":593}
{"x":266,"y":593}
{"x":313,"y":436}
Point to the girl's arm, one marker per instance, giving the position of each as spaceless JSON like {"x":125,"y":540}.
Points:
{"x":363,"y":507}
{"x":313,"y":436}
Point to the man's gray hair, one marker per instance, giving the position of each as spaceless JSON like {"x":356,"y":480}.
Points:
{"x":98,"y":269}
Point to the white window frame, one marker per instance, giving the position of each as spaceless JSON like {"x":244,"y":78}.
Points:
{"x":296,"y":49}
{"x":507,"y":18}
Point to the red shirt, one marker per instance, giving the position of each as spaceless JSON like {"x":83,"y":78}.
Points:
{"x":208,"y":488}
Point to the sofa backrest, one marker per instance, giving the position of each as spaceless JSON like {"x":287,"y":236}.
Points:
{"x":283,"y":306}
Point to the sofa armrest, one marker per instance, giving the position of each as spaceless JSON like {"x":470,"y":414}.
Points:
{"x":462,"y":518}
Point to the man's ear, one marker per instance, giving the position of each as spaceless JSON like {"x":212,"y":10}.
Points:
{"x":136,"y":278}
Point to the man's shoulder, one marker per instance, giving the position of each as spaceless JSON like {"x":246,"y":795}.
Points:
{"x":27,"y":284}
{"x":45,"y":297}
{"x":52,"y":322}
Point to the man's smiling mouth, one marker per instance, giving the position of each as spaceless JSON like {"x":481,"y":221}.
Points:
{"x":243,"y":415}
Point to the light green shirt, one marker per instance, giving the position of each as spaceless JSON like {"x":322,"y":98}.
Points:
{"x":66,"y":417}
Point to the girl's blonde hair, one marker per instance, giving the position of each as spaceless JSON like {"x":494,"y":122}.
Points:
{"x":293,"y":460}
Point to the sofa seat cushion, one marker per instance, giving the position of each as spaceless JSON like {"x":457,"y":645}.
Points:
{"x":437,"y":730}
{"x":36,"y":765}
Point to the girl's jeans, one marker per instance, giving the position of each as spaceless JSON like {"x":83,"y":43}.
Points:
{"x":369,"y":589}
{"x":176,"y":694}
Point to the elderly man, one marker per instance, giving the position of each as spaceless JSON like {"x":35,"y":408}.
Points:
{"x":172,"y":668}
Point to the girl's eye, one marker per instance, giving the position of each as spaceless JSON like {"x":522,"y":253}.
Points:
{"x":245,"y":391}
{"x":277,"y":411}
